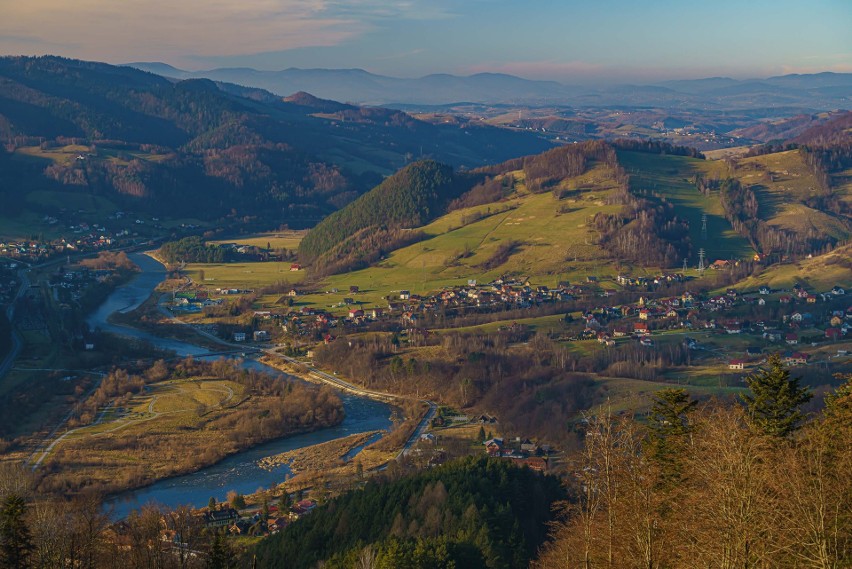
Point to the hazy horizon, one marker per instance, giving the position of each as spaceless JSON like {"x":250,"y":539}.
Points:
{"x":614,"y":41}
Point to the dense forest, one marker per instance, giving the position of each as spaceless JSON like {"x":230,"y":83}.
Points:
{"x":472,"y":513}
{"x":410,"y":198}
{"x":193,"y":250}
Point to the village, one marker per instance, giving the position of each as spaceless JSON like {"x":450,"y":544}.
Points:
{"x":800,"y":323}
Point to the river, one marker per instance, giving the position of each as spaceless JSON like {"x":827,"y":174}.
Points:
{"x":240,"y":471}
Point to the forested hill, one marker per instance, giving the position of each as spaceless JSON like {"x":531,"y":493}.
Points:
{"x":471,"y":514}
{"x":204,"y":149}
{"x":410,"y":198}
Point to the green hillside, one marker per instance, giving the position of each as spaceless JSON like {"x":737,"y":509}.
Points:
{"x":788,"y":194}
{"x":552,"y":240}
{"x":408,"y":199}
{"x":671,"y":177}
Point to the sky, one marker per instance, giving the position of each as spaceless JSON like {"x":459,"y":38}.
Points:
{"x":563,"y":40}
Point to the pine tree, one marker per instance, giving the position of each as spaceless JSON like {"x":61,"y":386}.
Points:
{"x":221,"y":555}
{"x":15,"y":540}
{"x":284,"y":503}
{"x":773,"y":406}
{"x":669,"y":425}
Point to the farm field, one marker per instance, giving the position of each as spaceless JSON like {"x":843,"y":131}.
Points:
{"x":67,"y":155}
{"x":276,"y":239}
{"x":819,"y":273}
{"x":251,"y":275}
{"x":781,"y":182}
{"x":671,"y":177}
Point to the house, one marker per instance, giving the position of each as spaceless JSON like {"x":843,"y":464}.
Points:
{"x":528,"y":446}
{"x":640,"y":327}
{"x":796,"y":358}
{"x":797,"y":317}
{"x":837,"y":290}
{"x":304,"y":507}
{"x":534,"y":462}
{"x":736,"y":364}
{"x":734,"y":328}
{"x":493,"y":446}
{"x":295,"y":267}
{"x":353,"y":289}
{"x":764,"y":290}
{"x":643,"y":314}
{"x":355,"y":313}
{"x":260,"y":336}
{"x":621,"y":331}
{"x":784,"y":299}
{"x":404,"y":295}
{"x":239,"y":336}
{"x":761,"y":301}
{"x":792,"y":338}
{"x":833,"y":333}
{"x":754,"y":350}
{"x":220,"y":518}
{"x":720,"y":264}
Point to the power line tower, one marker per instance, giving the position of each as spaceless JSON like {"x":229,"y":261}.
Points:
{"x":701,"y":261}
{"x":684,"y":265}
{"x":704,"y":226}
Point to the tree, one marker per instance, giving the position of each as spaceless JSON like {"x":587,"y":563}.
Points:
{"x":15,"y":540}
{"x":221,"y":555}
{"x":236,"y":500}
{"x":773,"y":406}
{"x":284,"y":502}
{"x":669,"y":425}
{"x":211,"y":503}
{"x":481,"y":436}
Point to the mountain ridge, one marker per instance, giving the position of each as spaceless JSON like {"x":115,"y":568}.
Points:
{"x":361,"y":86}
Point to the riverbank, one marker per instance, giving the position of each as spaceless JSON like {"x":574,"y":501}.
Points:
{"x":178,"y":425}
{"x":319,"y":457}
{"x":238,"y":472}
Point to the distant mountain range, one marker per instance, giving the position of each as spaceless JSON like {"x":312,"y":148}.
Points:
{"x":147,"y":143}
{"x":821,"y":91}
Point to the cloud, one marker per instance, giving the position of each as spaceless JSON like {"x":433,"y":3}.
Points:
{"x":132,"y":30}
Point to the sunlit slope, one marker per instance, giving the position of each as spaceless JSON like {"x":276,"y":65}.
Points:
{"x":672,"y":178}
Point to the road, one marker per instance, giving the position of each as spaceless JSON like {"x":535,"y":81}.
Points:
{"x":346,"y":386}
{"x":326,"y":378}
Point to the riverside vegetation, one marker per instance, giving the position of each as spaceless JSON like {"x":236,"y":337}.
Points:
{"x":141,"y":425}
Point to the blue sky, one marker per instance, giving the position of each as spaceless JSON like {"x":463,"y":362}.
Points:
{"x":568,"y":41}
